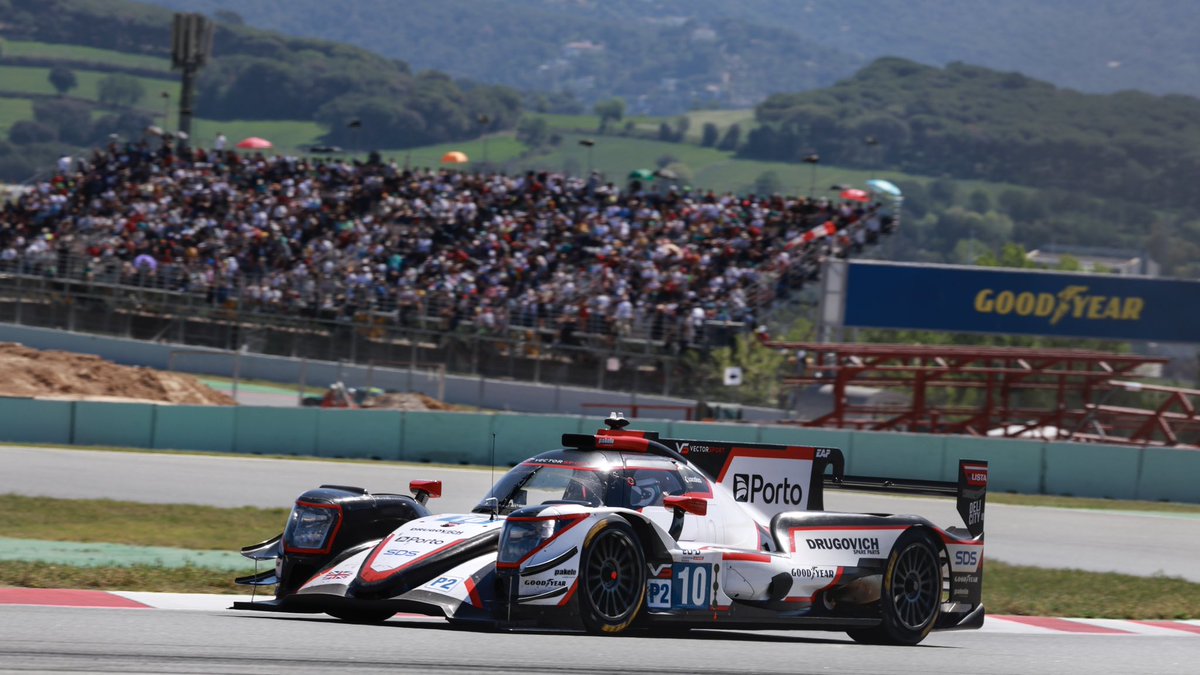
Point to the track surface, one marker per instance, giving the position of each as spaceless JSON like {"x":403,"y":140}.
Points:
{"x":1141,"y":544}
{"x":130,"y":641}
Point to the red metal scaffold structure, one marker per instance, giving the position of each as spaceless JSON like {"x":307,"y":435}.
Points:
{"x":1062,"y":394}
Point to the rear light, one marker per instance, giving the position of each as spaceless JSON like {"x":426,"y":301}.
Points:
{"x":312,"y":528}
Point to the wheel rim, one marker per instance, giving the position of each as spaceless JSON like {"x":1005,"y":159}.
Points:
{"x":916,"y":583}
{"x":611,"y":576}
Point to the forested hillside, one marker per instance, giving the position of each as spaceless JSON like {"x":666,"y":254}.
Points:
{"x":751,"y":48}
{"x":659,"y":62}
{"x":969,"y":122}
{"x":257,"y":75}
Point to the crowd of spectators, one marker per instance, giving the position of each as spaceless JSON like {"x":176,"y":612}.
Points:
{"x":443,"y":248}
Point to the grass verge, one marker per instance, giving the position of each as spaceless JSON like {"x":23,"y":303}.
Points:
{"x":116,"y":522}
{"x":1089,"y":503}
{"x":133,"y":578}
{"x":1008,"y":589}
{"x":1034,"y":591}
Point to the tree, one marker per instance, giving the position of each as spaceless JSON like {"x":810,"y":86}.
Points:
{"x":71,"y":120}
{"x":979,"y":202}
{"x":62,"y":79}
{"x":533,"y":131}
{"x":731,"y":139}
{"x":709,"y":135}
{"x":612,"y":110}
{"x":25,"y":132}
{"x":120,"y":89}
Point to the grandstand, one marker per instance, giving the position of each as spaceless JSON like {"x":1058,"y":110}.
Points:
{"x":373,"y":261}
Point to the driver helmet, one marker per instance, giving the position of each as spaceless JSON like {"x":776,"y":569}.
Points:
{"x":645,"y":492}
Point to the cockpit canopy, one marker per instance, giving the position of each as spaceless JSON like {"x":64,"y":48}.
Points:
{"x":593,"y":478}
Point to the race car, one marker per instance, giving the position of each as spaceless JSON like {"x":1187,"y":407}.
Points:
{"x":626,"y":530}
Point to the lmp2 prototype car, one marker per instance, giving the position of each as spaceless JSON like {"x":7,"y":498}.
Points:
{"x":623,"y":529}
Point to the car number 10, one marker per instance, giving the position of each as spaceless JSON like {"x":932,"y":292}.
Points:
{"x":692,"y":585}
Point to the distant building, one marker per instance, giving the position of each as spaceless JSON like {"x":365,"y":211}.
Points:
{"x":1097,"y":259}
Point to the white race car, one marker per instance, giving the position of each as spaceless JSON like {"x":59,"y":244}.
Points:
{"x":623,"y":530}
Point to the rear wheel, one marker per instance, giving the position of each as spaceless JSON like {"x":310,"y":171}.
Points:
{"x":911,"y":598}
{"x":612,"y":578}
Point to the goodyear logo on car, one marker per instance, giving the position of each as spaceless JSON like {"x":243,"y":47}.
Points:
{"x":1005,"y":301}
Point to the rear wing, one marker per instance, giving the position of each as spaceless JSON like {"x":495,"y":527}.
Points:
{"x":970,"y":490}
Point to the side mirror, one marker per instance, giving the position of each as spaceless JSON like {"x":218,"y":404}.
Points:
{"x":697,"y":506}
{"x":423,"y":490}
{"x":680,"y":504}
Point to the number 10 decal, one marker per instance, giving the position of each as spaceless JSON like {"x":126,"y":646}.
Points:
{"x":692,"y":585}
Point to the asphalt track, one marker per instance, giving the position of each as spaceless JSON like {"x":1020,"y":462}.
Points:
{"x":54,"y":639}
{"x":1133,"y":543}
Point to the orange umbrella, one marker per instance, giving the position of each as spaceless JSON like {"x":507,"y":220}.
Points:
{"x":455,"y":157}
{"x":254,"y":143}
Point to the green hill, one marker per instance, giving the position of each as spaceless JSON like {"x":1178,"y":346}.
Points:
{"x":751,"y":47}
{"x":254,"y":75}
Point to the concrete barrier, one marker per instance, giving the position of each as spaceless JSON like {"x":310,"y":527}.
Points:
{"x":364,"y":434}
{"x":194,"y":427}
{"x":1013,"y":465}
{"x":896,"y":455}
{"x":129,"y":425}
{"x":24,"y":420}
{"x":275,"y":431}
{"x":1090,"y":470}
{"x":1169,"y":474}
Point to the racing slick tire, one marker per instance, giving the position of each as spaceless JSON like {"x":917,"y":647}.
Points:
{"x":910,"y":600}
{"x":612,"y":578}
{"x":361,"y":615}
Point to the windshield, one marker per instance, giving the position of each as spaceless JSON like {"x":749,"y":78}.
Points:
{"x":534,"y":483}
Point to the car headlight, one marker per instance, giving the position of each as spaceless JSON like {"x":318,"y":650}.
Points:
{"x":311,"y":528}
{"x":523,"y":536}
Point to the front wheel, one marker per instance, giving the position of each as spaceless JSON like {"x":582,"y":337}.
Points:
{"x":911,"y":598}
{"x":612,"y":578}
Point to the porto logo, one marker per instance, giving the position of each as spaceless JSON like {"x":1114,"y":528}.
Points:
{"x":751,"y":487}
{"x":741,"y":487}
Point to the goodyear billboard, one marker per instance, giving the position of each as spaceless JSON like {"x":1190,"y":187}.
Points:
{"x":1029,"y":302}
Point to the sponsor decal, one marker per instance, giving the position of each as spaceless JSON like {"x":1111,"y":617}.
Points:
{"x":752,"y":487}
{"x":420,"y":541}
{"x":435,"y":530}
{"x":400,"y":552}
{"x":686,"y":448}
{"x":443,"y":583}
{"x":565,"y":573}
{"x":459,"y":520}
{"x":658,"y":593}
{"x":1072,"y":301}
{"x":544,"y":582}
{"x":855,"y":545}
{"x":814,"y":572}
{"x":336,"y":575}
{"x":605,"y":440}
{"x":821,"y":453}
{"x":977,"y":476}
{"x":974,"y":513}
{"x":966,"y":558}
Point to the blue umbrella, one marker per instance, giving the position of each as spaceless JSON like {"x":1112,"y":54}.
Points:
{"x":880,"y":185}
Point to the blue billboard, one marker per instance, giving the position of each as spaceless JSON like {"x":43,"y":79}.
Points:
{"x":1027,"y":302}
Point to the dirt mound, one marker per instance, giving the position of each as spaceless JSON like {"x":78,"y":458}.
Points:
{"x":64,"y":375}
{"x":414,"y":402}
